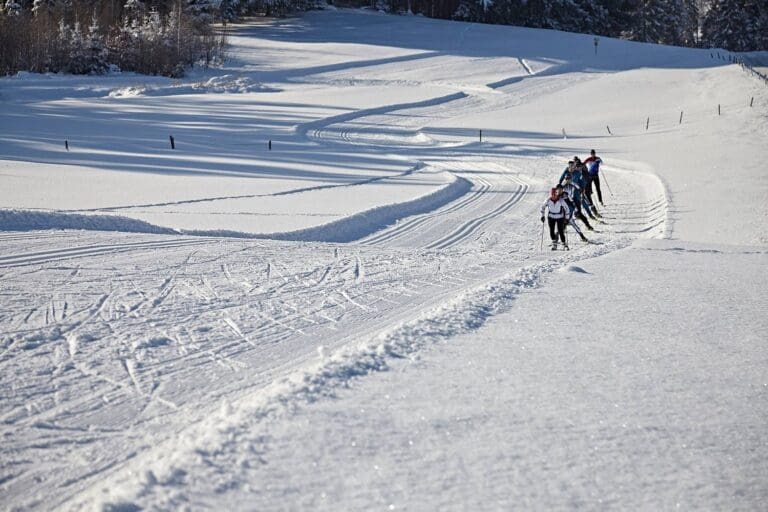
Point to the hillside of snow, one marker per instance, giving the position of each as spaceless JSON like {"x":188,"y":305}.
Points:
{"x":334,"y":292}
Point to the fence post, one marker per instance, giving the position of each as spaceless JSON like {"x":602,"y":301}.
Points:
{"x":565,"y":137}
{"x":481,"y":135}
{"x":66,"y":144}
{"x":718,"y":109}
{"x":609,"y":129}
{"x":681,"y":118}
{"x":173,"y":142}
{"x":751,"y":101}
{"x":269,"y":145}
{"x":647,"y":122}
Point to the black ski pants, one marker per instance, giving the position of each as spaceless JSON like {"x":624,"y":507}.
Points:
{"x":576,"y":209}
{"x":588,"y":195}
{"x":596,"y":180}
{"x":560,"y":224}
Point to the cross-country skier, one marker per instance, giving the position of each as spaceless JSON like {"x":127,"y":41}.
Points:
{"x":578,"y":178}
{"x":557,"y":215}
{"x":587,"y":189}
{"x":572,"y":196}
{"x":593,"y":163}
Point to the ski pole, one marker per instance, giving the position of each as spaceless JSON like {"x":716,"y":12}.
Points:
{"x":545,"y":214}
{"x":607,"y":185}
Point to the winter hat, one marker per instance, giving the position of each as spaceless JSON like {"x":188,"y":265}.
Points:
{"x":553,"y":194}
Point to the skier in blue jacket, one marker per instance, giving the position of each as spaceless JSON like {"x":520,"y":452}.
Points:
{"x":573,"y":197}
{"x":578,"y":178}
{"x":593,"y":163}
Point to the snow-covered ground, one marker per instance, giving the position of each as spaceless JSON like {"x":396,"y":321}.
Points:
{"x":361,"y":316}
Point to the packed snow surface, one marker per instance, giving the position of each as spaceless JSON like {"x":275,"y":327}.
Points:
{"x":334,"y":292}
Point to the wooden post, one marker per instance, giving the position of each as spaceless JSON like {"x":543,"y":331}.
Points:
{"x":647,"y":122}
{"x":66,"y":144}
{"x":718,"y":109}
{"x":609,"y":129}
{"x":751,"y":101}
{"x":481,"y":135}
{"x":681,"y":118}
{"x":173,"y":142}
{"x":269,"y":145}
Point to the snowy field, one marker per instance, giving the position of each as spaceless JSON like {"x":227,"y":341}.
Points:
{"x":332,"y":294}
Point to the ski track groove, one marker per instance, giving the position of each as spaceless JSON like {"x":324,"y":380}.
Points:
{"x":92,"y":250}
{"x":470,"y":227}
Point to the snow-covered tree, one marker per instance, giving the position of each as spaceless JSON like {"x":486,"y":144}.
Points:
{"x":134,"y":9}
{"x":40,"y":7}
{"x":654,"y":22}
{"x":728,"y":24}
{"x":229,"y":10}
{"x":688,"y":31}
{"x":202,"y":11}
{"x":473,"y":10}
{"x":12,"y":8}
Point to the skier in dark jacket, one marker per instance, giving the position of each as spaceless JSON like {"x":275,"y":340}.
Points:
{"x":593,"y":163}
{"x":587,"y":190}
{"x":572,"y":196}
{"x":578,"y":178}
{"x":557,"y":215}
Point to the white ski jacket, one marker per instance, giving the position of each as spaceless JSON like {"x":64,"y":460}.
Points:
{"x":557,"y":209}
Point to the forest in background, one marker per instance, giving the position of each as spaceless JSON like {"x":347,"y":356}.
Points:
{"x":160,"y":37}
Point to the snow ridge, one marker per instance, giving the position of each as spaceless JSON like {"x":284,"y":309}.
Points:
{"x":28,"y":220}
{"x":347,"y":229}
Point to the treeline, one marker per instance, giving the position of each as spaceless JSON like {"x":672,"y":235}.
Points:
{"x":737,"y":25}
{"x":153,"y":37}
{"x":165,"y":37}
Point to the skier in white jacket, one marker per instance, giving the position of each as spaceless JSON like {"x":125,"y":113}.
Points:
{"x":558,"y":214}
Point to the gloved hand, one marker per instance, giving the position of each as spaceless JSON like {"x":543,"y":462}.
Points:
{"x":542,"y":218}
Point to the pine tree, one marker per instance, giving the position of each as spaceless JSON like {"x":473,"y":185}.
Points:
{"x":727,"y":25}
{"x":472,"y":10}
{"x":12,"y":8}
{"x":654,"y":22}
{"x":689,"y":23}
{"x":202,"y":11}
{"x":98,"y":56}
{"x":40,"y":7}
{"x":228,"y":10}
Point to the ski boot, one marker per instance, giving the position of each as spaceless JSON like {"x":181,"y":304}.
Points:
{"x":554,"y":246}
